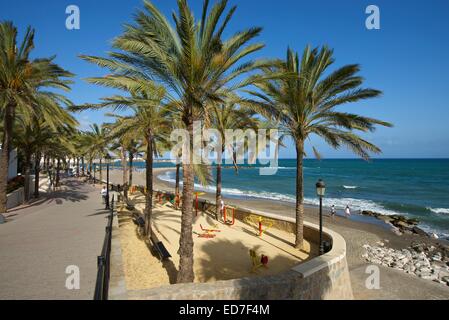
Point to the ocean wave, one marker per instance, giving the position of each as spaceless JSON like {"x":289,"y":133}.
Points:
{"x":350,"y":187}
{"x":339,"y":203}
{"x":439,"y":210}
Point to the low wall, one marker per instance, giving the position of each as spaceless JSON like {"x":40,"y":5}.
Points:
{"x":17,"y":197}
{"x":322,"y":277}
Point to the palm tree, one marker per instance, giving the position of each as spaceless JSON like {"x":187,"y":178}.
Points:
{"x":226,"y":116}
{"x":149,"y":120}
{"x":50,"y":123}
{"x":98,"y":144}
{"x":20,"y":80}
{"x":197,"y":65}
{"x":306,"y":104}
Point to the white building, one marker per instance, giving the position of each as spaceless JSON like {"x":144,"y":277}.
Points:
{"x":12,"y":168}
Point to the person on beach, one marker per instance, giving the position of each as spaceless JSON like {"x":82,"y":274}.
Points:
{"x":333,"y":211}
{"x":347,"y":211}
{"x":222,"y":206}
{"x":103,"y":194}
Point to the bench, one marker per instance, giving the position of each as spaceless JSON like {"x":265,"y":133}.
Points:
{"x":140,"y":221}
{"x":160,"y":249}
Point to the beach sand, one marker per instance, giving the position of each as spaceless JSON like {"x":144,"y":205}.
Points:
{"x":224,"y":257}
{"x":356,"y":231}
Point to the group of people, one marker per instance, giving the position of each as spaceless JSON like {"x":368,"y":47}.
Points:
{"x":334,"y":211}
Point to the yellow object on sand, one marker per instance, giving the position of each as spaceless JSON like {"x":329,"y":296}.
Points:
{"x":259,"y":222}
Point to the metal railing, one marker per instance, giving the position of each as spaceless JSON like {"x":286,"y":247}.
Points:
{"x":103,"y":261}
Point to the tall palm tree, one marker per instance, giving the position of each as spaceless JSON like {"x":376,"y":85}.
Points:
{"x":229,"y":116}
{"x":306,"y":105}
{"x":20,"y":79}
{"x":98,"y":144}
{"x":198,"y":67}
{"x":49,"y":125}
{"x":149,"y":120}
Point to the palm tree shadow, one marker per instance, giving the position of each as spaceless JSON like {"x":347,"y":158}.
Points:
{"x":32,"y":203}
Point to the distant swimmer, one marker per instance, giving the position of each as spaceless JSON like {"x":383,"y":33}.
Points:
{"x":333,"y":211}
{"x":347,"y":211}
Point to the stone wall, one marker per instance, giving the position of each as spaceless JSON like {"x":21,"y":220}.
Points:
{"x":323,"y":277}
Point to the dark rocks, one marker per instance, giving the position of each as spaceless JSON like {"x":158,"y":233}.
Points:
{"x":2,"y":219}
{"x":419,"y":231}
{"x":400,"y":224}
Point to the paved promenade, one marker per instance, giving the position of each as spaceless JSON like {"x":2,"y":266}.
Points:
{"x":39,"y":241}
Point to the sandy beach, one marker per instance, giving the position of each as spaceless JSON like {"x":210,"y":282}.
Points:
{"x":356,"y":230}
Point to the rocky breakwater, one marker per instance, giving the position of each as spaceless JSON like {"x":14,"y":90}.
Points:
{"x":426,"y":261}
{"x":399,"y":224}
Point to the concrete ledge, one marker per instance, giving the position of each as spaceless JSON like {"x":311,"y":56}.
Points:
{"x":117,"y":282}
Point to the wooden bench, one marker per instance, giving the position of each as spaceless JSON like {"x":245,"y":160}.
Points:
{"x":160,"y":249}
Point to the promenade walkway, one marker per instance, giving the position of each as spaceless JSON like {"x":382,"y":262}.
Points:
{"x":39,"y":241}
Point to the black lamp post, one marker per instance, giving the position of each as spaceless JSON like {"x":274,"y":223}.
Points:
{"x":108,"y":161}
{"x":94,"y":171}
{"x":320,"y":190}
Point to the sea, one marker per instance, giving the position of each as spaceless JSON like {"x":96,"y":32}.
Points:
{"x":417,"y":188}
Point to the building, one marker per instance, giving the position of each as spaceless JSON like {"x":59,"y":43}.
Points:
{"x":12,"y":168}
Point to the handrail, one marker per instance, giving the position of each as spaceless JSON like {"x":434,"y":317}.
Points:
{"x":103,"y":261}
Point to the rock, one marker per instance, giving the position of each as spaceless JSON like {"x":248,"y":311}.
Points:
{"x":396,"y":231}
{"x":2,"y":219}
{"x":419,"y":231}
{"x":445,"y":279}
{"x":385,"y":218}
{"x":434,"y":236}
{"x":401,"y":224}
{"x":436,"y":258}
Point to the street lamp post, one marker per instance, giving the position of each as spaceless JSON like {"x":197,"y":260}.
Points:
{"x":108,"y":161}
{"x":320,"y":190}
{"x":94,"y":171}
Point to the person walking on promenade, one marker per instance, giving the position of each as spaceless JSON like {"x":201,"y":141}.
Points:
{"x":103,"y":194}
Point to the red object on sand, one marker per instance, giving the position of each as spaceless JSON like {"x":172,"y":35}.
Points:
{"x":225,"y":217}
{"x":264,"y":260}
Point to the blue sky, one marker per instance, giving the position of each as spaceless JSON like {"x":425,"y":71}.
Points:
{"x":406,"y":58}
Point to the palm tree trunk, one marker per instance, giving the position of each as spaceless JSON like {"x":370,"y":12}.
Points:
{"x":4,"y":157}
{"x":101,"y":172}
{"x":58,"y":168}
{"x":77,"y":166}
{"x":178,"y":167}
{"x":27,"y":170}
{"x":149,"y":184}
{"x":48,"y":164}
{"x":37,"y":171}
{"x":218,"y":191}
{"x":82,"y":166}
{"x":185,"y":251}
{"x":124,"y":172}
{"x":299,"y":195}
{"x":45,"y":163}
{"x":130,"y":181}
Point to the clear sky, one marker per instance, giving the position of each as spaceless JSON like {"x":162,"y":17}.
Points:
{"x":407,"y":58}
